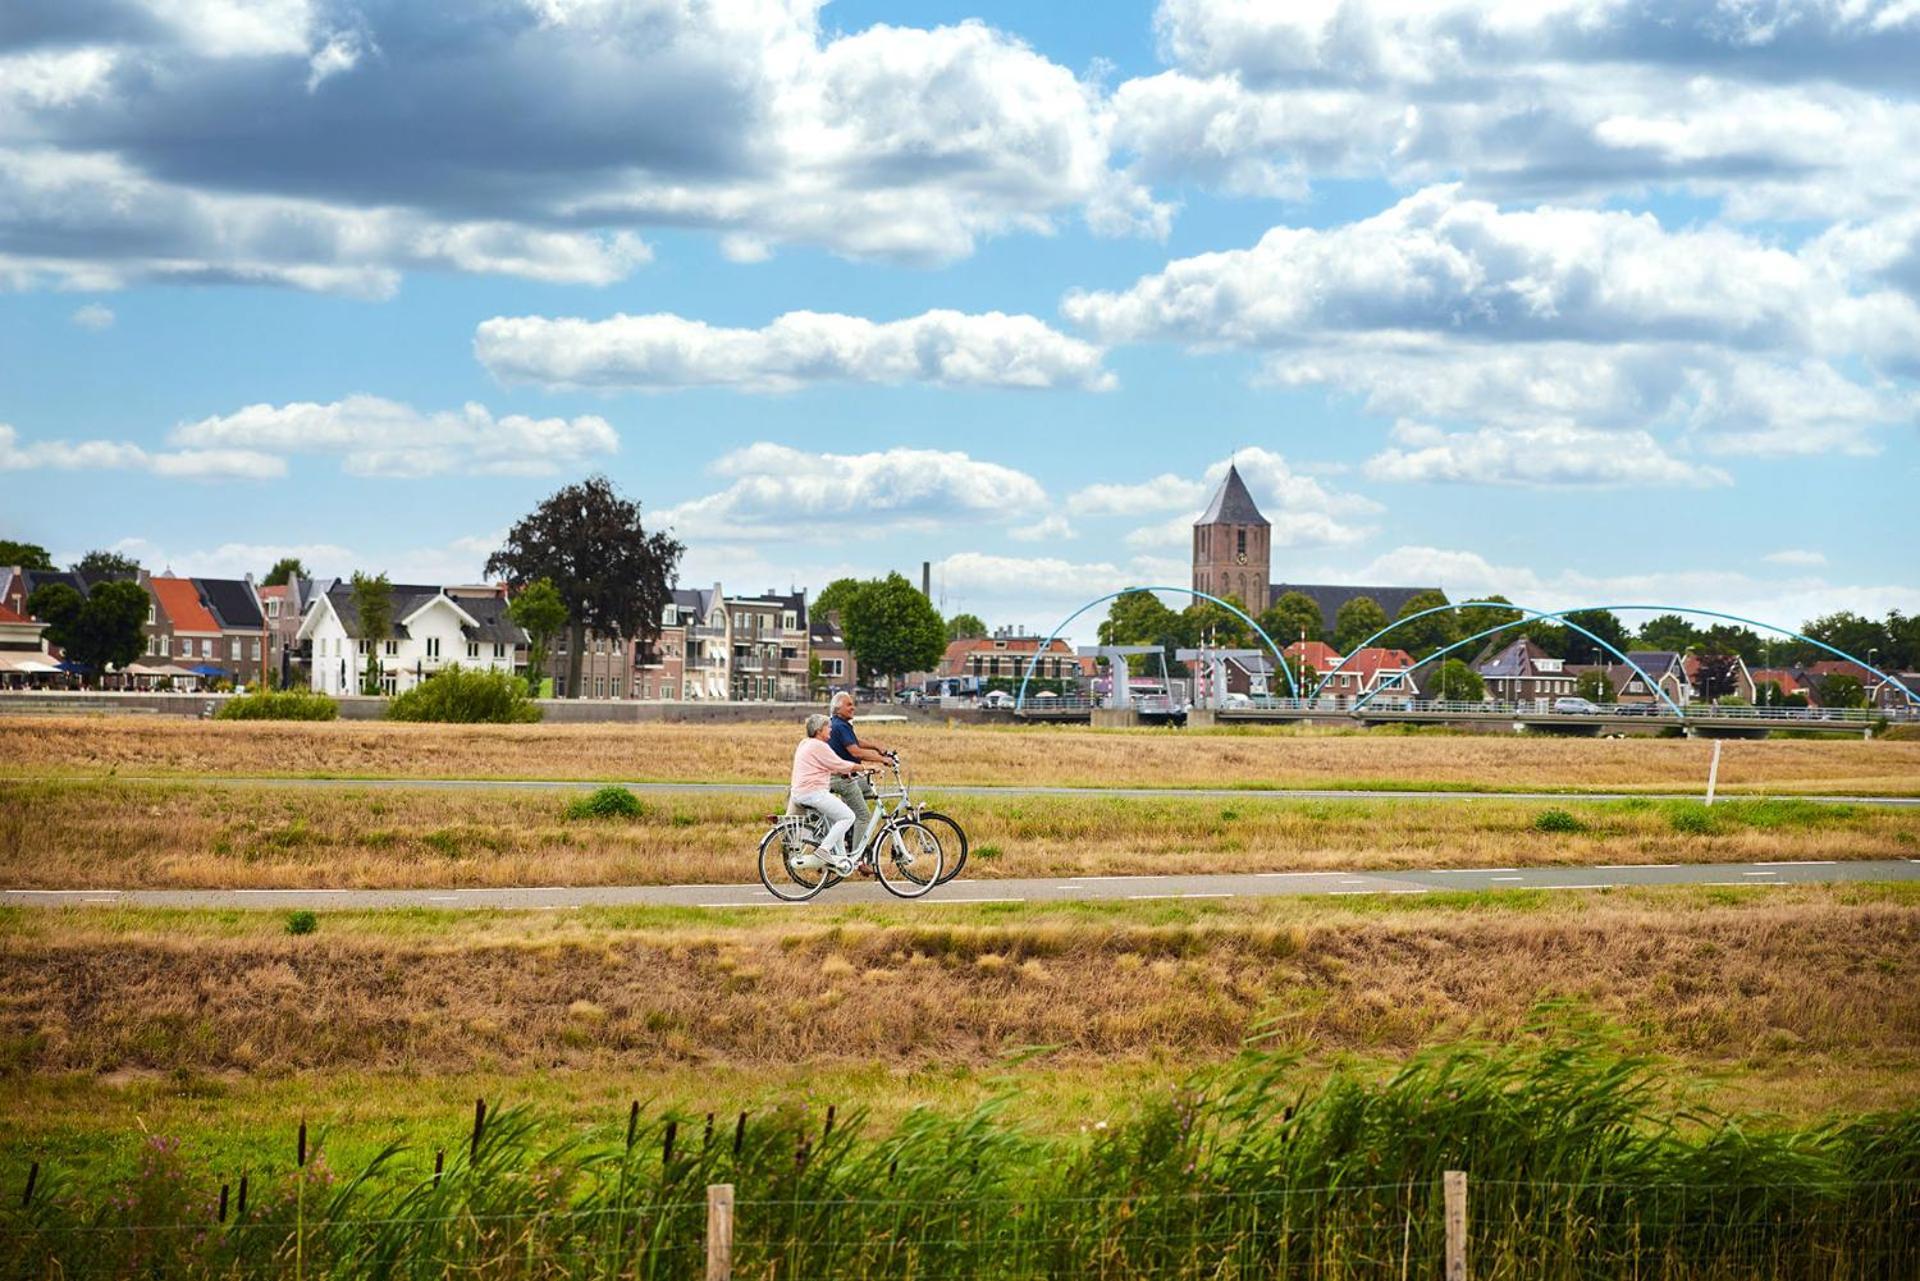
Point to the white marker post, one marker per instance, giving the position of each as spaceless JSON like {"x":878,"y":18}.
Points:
{"x":1713,"y":772}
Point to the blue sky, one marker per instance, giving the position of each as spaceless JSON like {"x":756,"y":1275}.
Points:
{"x":1568,"y":300}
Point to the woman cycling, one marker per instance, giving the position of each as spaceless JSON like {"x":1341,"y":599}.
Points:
{"x":814,"y":765}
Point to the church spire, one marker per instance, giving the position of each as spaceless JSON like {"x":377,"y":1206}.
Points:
{"x":1232,"y":504}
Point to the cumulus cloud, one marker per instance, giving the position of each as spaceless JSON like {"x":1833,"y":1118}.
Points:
{"x":798,"y":349}
{"x":1796,"y":558}
{"x":1164,"y":492}
{"x":1302,"y":510}
{"x":214,"y":140}
{"x":1538,"y":456}
{"x":1047,"y":529}
{"x":376,"y":437}
{"x":179,"y":464}
{"x":94,"y":317}
{"x":781,"y":492}
{"x":457,"y":561}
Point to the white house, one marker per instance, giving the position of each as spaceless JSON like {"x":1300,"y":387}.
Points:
{"x":431,"y":630}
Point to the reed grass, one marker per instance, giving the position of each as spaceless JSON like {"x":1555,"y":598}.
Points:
{"x":1577,"y":1169}
{"x":60,"y":835}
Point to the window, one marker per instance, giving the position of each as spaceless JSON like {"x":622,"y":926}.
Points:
{"x":473,"y":649}
{"x":616,"y":687}
{"x":273,"y":608}
{"x":1240,"y":541}
{"x":393,"y":648}
{"x":433,"y":647}
{"x":830,"y":667}
{"x":499,"y":649}
{"x":256,"y":651}
{"x":669,"y":617}
{"x":233,"y":646}
{"x":150,"y":616}
{"x":600,"y":687}
{"x":786,"y":620}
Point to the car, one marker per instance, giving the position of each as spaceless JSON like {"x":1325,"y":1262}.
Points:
{"x":1575,"y":707}
{"x":1236,"y":703}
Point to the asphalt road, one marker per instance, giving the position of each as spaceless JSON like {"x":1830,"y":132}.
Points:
{"x":1046,"y":890}
{"x":778,"y":788}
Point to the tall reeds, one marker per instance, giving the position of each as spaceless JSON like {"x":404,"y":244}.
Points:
{"x":1575,"y":1172}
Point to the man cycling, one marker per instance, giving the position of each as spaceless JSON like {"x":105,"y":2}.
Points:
{"x":855,"y":791}
{"x":815,"y":769}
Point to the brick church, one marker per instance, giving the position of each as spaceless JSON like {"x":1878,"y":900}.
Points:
{"x":1233,"y":556}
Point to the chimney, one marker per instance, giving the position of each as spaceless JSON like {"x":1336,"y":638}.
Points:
{"x":926,"y":579}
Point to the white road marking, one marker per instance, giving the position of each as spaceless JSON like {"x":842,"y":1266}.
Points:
{"x":1508,"y":878}
{"x":97,"y":900}
{"x":1345,"y":893}
{"x":1630,"y":867}
{"x":1406,"y":891}
{"x":1800,"y":862}
{"x":1753,"y":885}
{"x":1759,"y":873}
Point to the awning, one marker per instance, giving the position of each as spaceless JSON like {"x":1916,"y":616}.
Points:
{"x":208,"y":669}
{"x":26,"y":666}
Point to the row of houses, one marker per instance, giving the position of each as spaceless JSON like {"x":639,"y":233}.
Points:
{"x":197,"y":630}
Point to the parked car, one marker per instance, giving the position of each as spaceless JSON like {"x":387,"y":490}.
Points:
{"x":1236,"y":703}
{"x":1576,"y":707}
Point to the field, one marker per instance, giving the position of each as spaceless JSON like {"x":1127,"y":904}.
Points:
{"x":1771,"y":1035}
{"x":954,"y":756}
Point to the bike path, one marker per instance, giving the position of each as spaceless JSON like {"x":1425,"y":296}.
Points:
{"x":778,"y":789}
{"x":1033,"y":890}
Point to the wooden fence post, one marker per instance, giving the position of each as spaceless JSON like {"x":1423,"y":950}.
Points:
{"x":720,"y":1232}
{"x":1456,"y":1190}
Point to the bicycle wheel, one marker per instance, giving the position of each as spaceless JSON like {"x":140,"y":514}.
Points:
{"x":778,"y":870}
{"x":907,"y":859}
{"x":953,"y":842}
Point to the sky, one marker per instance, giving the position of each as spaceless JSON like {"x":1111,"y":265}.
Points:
{"x":1579,"y":301}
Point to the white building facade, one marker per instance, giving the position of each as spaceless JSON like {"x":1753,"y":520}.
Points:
{"x":431,"y":632}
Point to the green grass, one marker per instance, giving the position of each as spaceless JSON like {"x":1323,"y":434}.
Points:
{"x":1581,"y":1166}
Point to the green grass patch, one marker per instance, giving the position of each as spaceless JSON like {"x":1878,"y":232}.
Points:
{"x":612,"y":801}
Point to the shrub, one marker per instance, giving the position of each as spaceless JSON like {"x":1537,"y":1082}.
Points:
{"x":278,"y":705}
{"x":465,"y":696}
{"x":302,"y":922}
{"x":611,"y":801}
{"x":1694,"y":820}
{"x":1557,"y":820}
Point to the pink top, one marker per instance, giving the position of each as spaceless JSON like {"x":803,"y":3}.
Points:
{"x":814,"y":763}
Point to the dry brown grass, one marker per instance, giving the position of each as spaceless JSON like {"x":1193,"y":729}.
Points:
{"x":1801,"y":982}
{"x":954,"y":755}
{"x":56,"y":835}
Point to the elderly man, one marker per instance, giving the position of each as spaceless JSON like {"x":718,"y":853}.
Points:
{"x":856,"y":790}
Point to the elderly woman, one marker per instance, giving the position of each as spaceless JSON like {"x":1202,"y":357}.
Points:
{"x":814,"y":765}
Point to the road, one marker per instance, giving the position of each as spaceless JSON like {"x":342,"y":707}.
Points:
{"x":1042,"y":890}
{"x":778,"y":789}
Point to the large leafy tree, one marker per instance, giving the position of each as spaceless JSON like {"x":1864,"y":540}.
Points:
{"x":1716,"y":676}
{"x":1594,"y":687}
{"x":837,"y":595}
{"x":1455,"y":682}
{"x":1422,"y":636}
{"x":1603,"y":623}
{"x":1358,"y":619}
{"x":284,"y":571}
{"x":373,"y":603}
{"x":1842,"y":690}
{"x":892,"y":629}
{"x":1669,"y":632}
{"x":1856,"y":635}
{"x":962,"y":626}
{"x":538,"y":609}
{"x":99,"y":630}
{"x":99,"y":565}
{"x":1142,"y":618}
{"x":1293,"y":617}
{"x":24,"y":555}
{"x":1218,"y":625}
{"x":1728,"y":638}
{"x":613,"y":576}
{"x":1903,"y":639}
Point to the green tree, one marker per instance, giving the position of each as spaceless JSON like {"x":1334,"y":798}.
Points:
{"x":1141,"y":618}
{"x":837,"y":595}
{"x":1293,"y":615}
{"x":538,"y":610}
{"x":816,"y":682}
{"x":960,"y":626}
{"x":1423,"y":636}
{"x":1356,"y":620}
{"x":1768,"y":694}
{"x":1842,"y":690}
{"x":613,"y":576}
{"x":1848,"y":631}
{"x":1206,"y":621}
{"x":284,"y":571}
{"x":1668,"y":632}
{"x":1603,"y":623}
{"x":373,"y":606}
{"x":24,"y":555}
{"x":1903,"y":640}
{"x":892,"y":629}
{"x":103,"y":629}
{"x":1594,"y":687}
{"x":1455,"y":682}
{"x":1726,"y":638}
{"x":100,"y":565}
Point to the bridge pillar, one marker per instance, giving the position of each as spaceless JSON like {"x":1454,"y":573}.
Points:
{"x":1115,"y":718}
{"x":1201,"y":718}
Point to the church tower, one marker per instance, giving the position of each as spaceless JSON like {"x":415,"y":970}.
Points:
{"x":1232,"y":546}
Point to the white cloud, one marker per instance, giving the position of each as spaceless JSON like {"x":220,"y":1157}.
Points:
{"x":798,"y":349}
{"x":1542,"y":456}
{"x":1796,"y":558}
{"x":1164,"y":492}
{"x":1051,"y":528}
{"x":782,"y":492}
{"x":94,"y":317}
{"x":377,"y":437}
{"x":1302,"y":511}
{"x":180,"y":464}
{"x":458,"y":561}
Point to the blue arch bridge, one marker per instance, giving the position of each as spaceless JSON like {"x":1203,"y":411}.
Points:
{"x":1305,"y":696}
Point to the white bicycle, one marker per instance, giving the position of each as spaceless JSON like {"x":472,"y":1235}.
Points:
{"x":903,"y":852}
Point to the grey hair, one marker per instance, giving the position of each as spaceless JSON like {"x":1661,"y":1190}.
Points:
{"x":815,"y":723}
{"x":835,"y":700}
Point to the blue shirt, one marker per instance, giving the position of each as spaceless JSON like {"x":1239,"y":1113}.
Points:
{"x":842,"y":738}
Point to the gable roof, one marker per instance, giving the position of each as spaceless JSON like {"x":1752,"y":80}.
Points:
{"x":231,"y":600}
{"x":1514,"y":660}
{"x":180,"y":600}
{"x":8,"y":616}
{"x":1232,"y":504}
{"x":1318,"y":655}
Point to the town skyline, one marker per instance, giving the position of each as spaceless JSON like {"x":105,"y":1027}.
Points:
{"x":996,"y":289}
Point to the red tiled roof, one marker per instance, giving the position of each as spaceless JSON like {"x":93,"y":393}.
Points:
{"x":181,"y":601}
{"x":8,"y":616}
{"x":1370,"y":660}
{"x":279,"y":592}
{"x":1318,"y":655}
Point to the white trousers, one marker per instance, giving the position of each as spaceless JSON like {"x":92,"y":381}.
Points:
{"x":839,"y":819}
